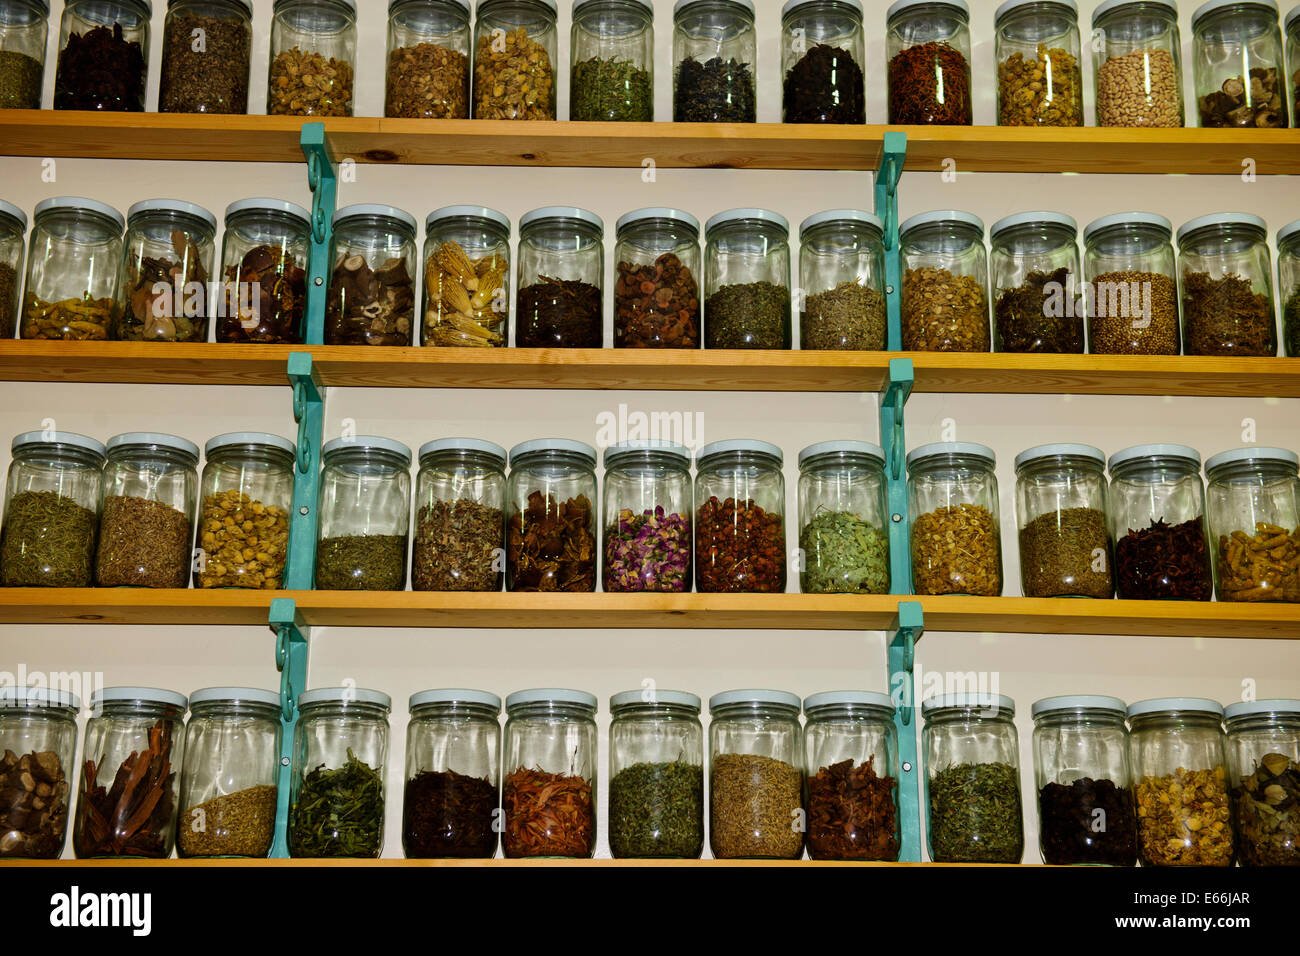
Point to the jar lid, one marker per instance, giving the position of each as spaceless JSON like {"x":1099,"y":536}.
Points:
{"x":941,"y":215}
{"x":362,"y":209}
{"x":743,"y":213}
{"x":147,"y":695}
{"x":1155,"y":451}
{"x":1253,"y":454}
{"x":487,"y":3}
{"x":1177,"y":705}
{"x":1010,"y":6}
{"x":551,"y":695}
{"x":9,"y":209}
{"x":843,"y":448}
{"x":1214,"y":6}
{"x":683,"y":4}
{"x":58,"y":438}
{"x":792,"y":5}
{"x":171,"y":205}
{"x":235,"y":695}
{"x":676,"y":698}
{"x":248,"y":438}
{"x":638,"y":447}
{"x":970,"y":700}
{"x":247,"y":5}
{"x":1110,"y":5}
{"x":942,"y":448}
{"x":561,"y":212}
{"x":44,"y":6}
{"x":1291,"y":228}
{"x":183,"y":445}
{"x":641,"y":3}
{"x":1222,"y":219}
{"x":1276,"y":706}
{"x":840,"y":215}
{"x":1293,"y":18}
{"x":900,"y":5}
{"x":364,"y":443}
{"x":77,"y":202}
{"x":262,"y":204}
{"x":781,"y":698}
{"x":348,"y":5}
{"x":1064,"y":450}
{"x":840,"y":698}
{"x":455,"y":695}
{"x":656,"y":212}
{"x":345,"y":695}
{"x":463,"y":444}
{"x":1026,"y":218}
{"x":1049,"y":705}
{"x":1127,"y":219}
{"x":733,"y":445}
{"x":569,"y":445}
{"x":466,"y":212}
{"x":33,"y":697}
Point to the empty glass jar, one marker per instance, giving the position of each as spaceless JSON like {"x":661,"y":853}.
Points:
{"x":747,"y":280}
{"x":264,"y":260}
{"x":313,"y":52}
{"x":206,"y":56}
{"x":647,"y":517}
{"x":171,"y":243}
{"x":1037,"y":305}
{"x":466,"y":277}
{"x":428,"y":59}
{"x":842,"y":280}
{"x":715,"y":57}
{"x":656,"y":285}
{"x":1137,"y":63}
{"x":103,"y":55}
{"x":460,"y":496}
{"x":822,"y":58}
{"x":561,"y":270}
{"x":956,"y":541}
{"x":73,"y":263}
{"x":1241,"y":80}
{"x":1288,"y":276}
{"x":927,"y":43}
{"x":551,"y":525}
{"x":1225,"y":278}
{"x":1263,"y":745}
{"x":945,"y":283}
{"x":843,"y":523}
{"x":22,"y":43}
{"x":1040,"y":66}
{"x":372,"y":288}
{"x":365,"y":508}
{"x":1065,"y":546}
{"x":514,"y":60}
{"x":612,"y":46}
{"x":739,"y":518}
{"x":38,"y":737}
{"x":1253,"y":501}
{"x":1132,"y":299}
{"x":13,"y":232}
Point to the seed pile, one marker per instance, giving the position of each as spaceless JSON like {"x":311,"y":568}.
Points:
{"x":142,"y":543}
{"x":427,"y":81}
{"x":1066,"y":553}
{"x":1042,"y":90}
{"x":944,"y":312}
{"x":236,"y":824}
{"x":513,"y":78}
{"x":305,"y":83}
{"x":1140,"y":88}
{"x":1133,"y":313}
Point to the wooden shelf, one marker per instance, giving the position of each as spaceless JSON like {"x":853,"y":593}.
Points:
{"x":461,"y":864}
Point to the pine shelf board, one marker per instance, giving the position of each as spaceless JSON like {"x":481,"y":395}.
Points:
{"x":460,"y":864}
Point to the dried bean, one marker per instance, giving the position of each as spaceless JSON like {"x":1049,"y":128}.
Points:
{"x":1139,"y":89}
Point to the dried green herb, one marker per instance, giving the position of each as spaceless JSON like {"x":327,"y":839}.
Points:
{"x":849,"y":316}
{"x":656,"y":810}
{"x":458,"y":547}
{"x":20,"y":81}
{"x":751,"y":315}
{"x":975,"y":814}
{"x":1291,"y":323}
{"x":361,"y":562}
{"x":338,"y":812}
{"x":236,"y":824}
{"x":842,"y":554}
{"x":8,"y":299}
{"x":611,"y":89}
{"x":1066,"y":553}
{"x":142,"y":543}
{"x":754,"y":802}
{"x":48,"y":541}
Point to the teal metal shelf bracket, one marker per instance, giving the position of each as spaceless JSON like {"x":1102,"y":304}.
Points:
{"x":893,"y":437}
{"x":893,"y":155}
{"x":906,"y":631}
{"x":291,"y":660}
{"x":323,"y":180}
{"x":309,"y":412}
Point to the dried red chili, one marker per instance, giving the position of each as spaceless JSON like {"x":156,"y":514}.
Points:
{"x":851,"y":813}
{"x":929,"y":85}
{"x":548,"y":814}
{"x":738,"y":547}
{"x":551,"y":545}
{"x":1164,"y":563}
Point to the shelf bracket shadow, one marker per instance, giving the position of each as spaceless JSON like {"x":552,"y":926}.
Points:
{"x":291,"y":638}
{"x":907,"y":629}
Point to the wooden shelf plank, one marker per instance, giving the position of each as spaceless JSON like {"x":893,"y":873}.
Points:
{"x":425,"y":864}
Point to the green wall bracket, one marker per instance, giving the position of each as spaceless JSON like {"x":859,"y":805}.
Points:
{"x":906,"y":631}
{"x":309,"y":413}
{"x":893,"y":154}
{"x":291,"y":660}
{"x":893,"y":438}
{"x":323,"y":180}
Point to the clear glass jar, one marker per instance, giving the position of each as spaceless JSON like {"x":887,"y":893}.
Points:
{"x":206,"y":56}
{"x":130,"y":727}
{"x":313,"y":52}
{"x":843,"y":519}
{"x":13,"y":234}
{"x":549,"y":792}
{"x":647,"y":520}
{"x":1263,"y":743}
{"x":561,"y":270}
{"x":453,"y":775}
{"x":1293,"y":62}
{"x":945,"y":283}
{"x":1288,"y":275}
{"x":1065,"y":545}
{"x":852,"y":766}
{"x":656,"y":775}
{"x":747,"y":280}
{"x":340,"y":759}
{"x":612,"y":47}
{"x":1157,"y":515}
{"x":247,"y":480}
{"x":739,"y":518}
{"x":1040,"y":63}
{"x":24,"y":27}
{"x":1037,"y":306}
{"x":171,"y":243}
{"x":1137,"y":63}
{"x":755,"y":775}
{"x":1081,"y":770}
{"x":656,"y":284}
{"x":372,"y":288}
{"x":956,"y":538}
{"x":365,"y":514}
{"x":52,"y":499}
{"x":1176,"y":749}
{"x":38,"y":739}
{"x":73,"y":260}
{"x":927,"y":43}
{"x":514,"y":60}
{"x":230,"y":784}
{"x":842,"y":282}
{"x":551,"y":527}
{"x":146,"y":523}
{"x":1225,"y":279}
{"x":1131,"y":296}
{"x":1240,"y":75}
{"x":460,"y":525}
{"x":822,"y":58}
{"x":466,"y":278}
{"x":715,"y":56}
{"x":103,"y":55}
{"x":264,"y":259}
{"x":1253,"y":501}
{"x":428,"y":59}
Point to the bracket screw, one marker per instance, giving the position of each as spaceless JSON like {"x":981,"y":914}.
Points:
{"x":896,"y":518}
{"x":304,"y":511}
{"x":907,"y":766}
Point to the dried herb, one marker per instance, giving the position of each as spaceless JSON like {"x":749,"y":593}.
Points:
{"x":1133,"y":313}
{"x":1164,"y":563}
{"x":559,"y":314}
{"x":1087,"y":821}
{"x":825,"y":86}
{"x":20,"y":83}
{"x":513,"y":77}
{"x":458,"y":546}
{"x":1226,"y":317}
{"x":1043,"y":90}
{"x":150,"y":314}
{"x":427,"y":81}
{"x":338,"y":812}
{"x":1140,"y":88}
{"x":656,"y":811}
{"x":944,"y":312}
{"x":751,"y":315}
{"x":244,"y":542}
{"x":975,"y":814}
{"x":852,"y":813}
{"x":650,"y":551}
{"x":1265,"y":813}
{"x":1183,"y":819}
{"x":449,"y":814}
{"x":550,"y":545}
{"x":465,"y":303}
{"x":656,"y":306}
{"x":48,"y":541}
{"x":33,"y":805}
{"x":548,"y":814}
{"x":1291,"y":323}
{"x":281,"y":286}
{"x":754,"y":804}
{"x":1256,"y":102}
{"x":142,"y":543}
{"x":957,"y":550}
{"x":843,"y":554}
{"x":1025,"y":319}
{"x":134,"y":815}
{"x":370,"y":306}
{"x":82,"y":319}
{"x":210,"y":79}
{"x":305,"y":83}
{"x":1066,"y":553}
{"x":1264,"y":566}
{"x":361,"y":562}
{"x":611,"y":89}
{"x":715,"y":91}
{"x":929,"y":84}
{"x":739,"y":547}
{"x":100,"y":70}
{"x":8,"y":298}
{"x":849,"y":316}
{"x":235,"y":824}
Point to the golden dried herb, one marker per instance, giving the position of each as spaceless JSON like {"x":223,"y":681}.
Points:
{"x":1183,"y":819}
{"x":957,"y":550}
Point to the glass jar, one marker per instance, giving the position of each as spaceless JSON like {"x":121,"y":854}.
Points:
{"x":1263,"y":742}
{"x":24,"y":27}
{"x":1240,"y":76}
{"x":747,"y":280}
{"x":38,"y":737}
{"x":171,"y":243}
{"x":1157,"y":515}
{"x":130,"y":727}
{"x":103,"y":55}
{"x":715,"y":53}
{"x":313,"y":49}
{"x":206,"y":56}
{"x":755,"y":775}
{"x":230,"y":784}
{"x":466,"y":277}
{"x":658,"y":248}
{"x":1040,"y":65}
{"x":945,"y":283}
{"x":248,"y":477}
{"x":1288,"y":275}
{"x":656,"y":775}
{"x":927,"y":43}
{"x":1225,"y":279}
{"x":514,"y":60}
{"x":1293,"y":62}
{"x":551,"y":531}
{"x":647,"y":521}
{"x":146,"y":522}
{"x":1176,"y":749}
{"x":822,"y":57}
{"x":1065,"y":546}
{"x":549,"y":792}
{"x":73,"y":260}
{"x":428,"y":59}
{"x":1081,"y":770}
{"x":852,"y":799}
{"x":453,"y":775}
{"x":1036,"y":302}
{"x":340,"y":756}
{"x":1132,"y":300}
{"x":52,"y":499}
{"x":739,"y":518}
{"x":460,"y":525}
{"x":264,"y":259}
{"x":365,"y":514}
{"x":612,"y":47}
{"x":372,"y":288}
{"x":842,"y":282}
{"x":1137,"y":63}
{"x":561,"y":270}
{"x":13,"y":232}
{"x":843,"y":519}
{"x":1254,"y":510}
{"x":956,"y":539}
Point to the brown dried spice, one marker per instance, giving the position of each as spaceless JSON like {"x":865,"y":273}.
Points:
{"x":457,"y":547}
{"x":427,"y":81}
{"x":1043,"y":90}
{"x":1264,"y":566}
{"x":551,"y":546}
{"x":851,"y":813}
{"x":753,"y":803}
{"x":548,"y":814}
{"x":244,"y":542}
{"x":944,"y":312}
{"x":1183,"y":819}
{"x":513,"y":78}
{"x":304,"y":83}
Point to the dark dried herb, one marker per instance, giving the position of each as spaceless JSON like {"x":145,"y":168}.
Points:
{"x":656,"y":811}
{"x":975,"y":814}
{"x":851,"y":813}
{"x":1066,"y":553}
{"x":100,"y":70}
{"x":751,"y":315}
{"x":48,"y":541}
{"x":1226,"y":317}
{"x":825,"y":86}
{"x":551,"y":545}
{"x":148,"y":314}
{"x":715,"y":91}
{"x":656,"y":306}
{"x":361,"y":562}
{"x":338,"y":812}
{"x":8,"y":299}
{"x":370,"y":306}
{"x":132,"y":817}
{"x":559,"y":314}
{"x":1025,"y":319}
{"x":212,"y":78}
{"x":20,"y":81}
{"x":449,"y":814}
{"x":548,"y":814}
{"x":1073,"y":831}
{"x":849,"y":316}
{"x":929,"y":85}
{"x":276,"y":318}
{"x":1266,"y":812}
{"x":142,"y":543}
{"x":1291,"y":321}
{"x":754,"y":804}
{"x":33,"y":805}
{"x":1164,"y":563}
{"x":611,"y":89}
{"x":458,"y":547}
{"x":738,"y":547}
